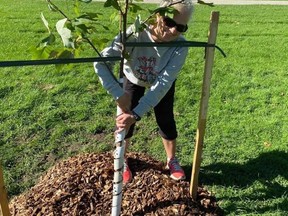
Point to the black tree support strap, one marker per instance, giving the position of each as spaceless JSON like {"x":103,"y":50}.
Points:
{"x":175,"y":44}
{"x":56,"y":61}
{"x":104,"y":59}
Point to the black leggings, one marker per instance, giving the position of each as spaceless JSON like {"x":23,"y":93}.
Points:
{"x":163,"y":110}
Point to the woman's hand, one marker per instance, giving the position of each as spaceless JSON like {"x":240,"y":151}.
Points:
{"x":124,"y":102}
{"x":124,"y":121}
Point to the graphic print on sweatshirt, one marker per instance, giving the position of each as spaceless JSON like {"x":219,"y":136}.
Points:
{"x":145,"y":69}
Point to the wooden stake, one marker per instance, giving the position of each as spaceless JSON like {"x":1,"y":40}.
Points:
{"x":214,"y":19}
{"x":3,"y":196}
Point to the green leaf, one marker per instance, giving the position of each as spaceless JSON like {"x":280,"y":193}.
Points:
{"x":108,"y":3}
{"x":138,"y":24}
{"x":47,"y":41}
{"x":134,"y":8}
{"x":65,"y":54}
{"x":53,"y":54}
{"x":70,"y":26}
{"x":105,"y":27}
{"x":65,"y":33}
{"x":80,"y":21}
{"x":89,"y":16}
{"x":77,"y":52}
{"x":100,"y":44}
{"x":82,"y":29}
{"x":59,"y":67}
{"x":113,"y":3}
{"x":40,"y":53}
{"x":45,"y":22}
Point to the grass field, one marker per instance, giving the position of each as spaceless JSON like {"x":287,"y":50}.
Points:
{"x":47,"y":115}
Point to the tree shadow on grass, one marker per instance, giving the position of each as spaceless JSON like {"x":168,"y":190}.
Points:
{"x":263,"y":169}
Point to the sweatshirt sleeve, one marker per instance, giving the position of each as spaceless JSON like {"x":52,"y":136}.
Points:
{"x":163,"y":82}
{"x":104,"y":73}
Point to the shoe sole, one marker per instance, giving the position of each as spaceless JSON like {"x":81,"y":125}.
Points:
{"x":178,"y":179}
{"x":174,"y":178}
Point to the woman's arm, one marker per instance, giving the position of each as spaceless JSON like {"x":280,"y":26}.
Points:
{"x":163,"y":83}
{"x":103,"y":70}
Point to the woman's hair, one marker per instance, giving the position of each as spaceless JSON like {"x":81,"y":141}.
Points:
{"x":180,"y":5}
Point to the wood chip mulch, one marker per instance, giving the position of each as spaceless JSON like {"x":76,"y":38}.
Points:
{"x":82,"y":185}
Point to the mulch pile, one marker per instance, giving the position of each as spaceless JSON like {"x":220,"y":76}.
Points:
{"x":82,"y":185}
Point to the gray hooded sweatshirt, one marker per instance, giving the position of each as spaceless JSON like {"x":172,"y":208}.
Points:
{"x":153,"y":67}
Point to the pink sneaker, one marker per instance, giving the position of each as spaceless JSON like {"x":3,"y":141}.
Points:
{"x":176,"y":172}
{"x":127,"y":174}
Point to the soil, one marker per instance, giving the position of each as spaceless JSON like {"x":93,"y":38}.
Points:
{"x":82,"y":185}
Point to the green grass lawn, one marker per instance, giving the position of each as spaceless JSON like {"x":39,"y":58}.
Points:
{"x":47,"y":115}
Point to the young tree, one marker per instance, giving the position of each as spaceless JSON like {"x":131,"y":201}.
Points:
{"x":74,"y":32}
